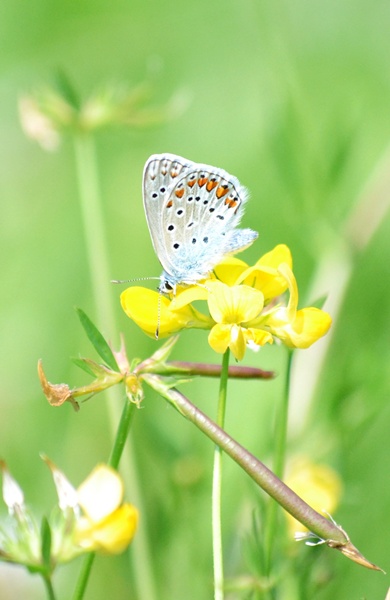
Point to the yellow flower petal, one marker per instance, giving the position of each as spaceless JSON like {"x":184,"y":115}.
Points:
{"x":149,"y":309}
{"x":237,"y":304}
{"x":265,"y":276}
{"x":229,"y":269}
{"x":288,"y":275}
{"x":101,"y":493}
{"x":113,"y":534}
{"x":237,"y":342}
{"x":259,"y":336}
{"x":297,"y":329}
{"x":219,"y":337}
{"x":309,"y":325}
{"x":278,"y":255}
{"x":187,"y":295}
{"x":223,"y":336}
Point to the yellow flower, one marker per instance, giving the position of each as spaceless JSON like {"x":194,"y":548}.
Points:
{"x":152,"y":311}
{"x":318,"y":484}
{"x":297,"y":328}
{"x":106,"y":525}
{"x":245,"y":306}
{"x":233,"y":309}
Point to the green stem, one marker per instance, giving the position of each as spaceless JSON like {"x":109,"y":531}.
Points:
{"x":97,"y":255}
{"x":82,"y":581}
{"x":281,"y":423}
{"x":94,"y":230}
{"x":49,"y":587}
{"x":217,"y":486}
{"x":279,"y":463}
{"x":122,"y":433}
{"x":116,"y":453}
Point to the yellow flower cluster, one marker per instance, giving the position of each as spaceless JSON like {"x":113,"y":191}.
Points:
{"x":318,"y":484}
{"x":245,"y":306}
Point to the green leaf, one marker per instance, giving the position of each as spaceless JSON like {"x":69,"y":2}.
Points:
{"x":46,"y":543}
{"x":97,"y":340}
{"x":80,"y":362}
{"x":65,"y":87}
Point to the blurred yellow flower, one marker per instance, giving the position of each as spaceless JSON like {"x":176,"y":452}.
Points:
{"x":91,"y":518}
{"x":318,"y":484}
{"x":106,"y":524}
{"x":245,"y":305}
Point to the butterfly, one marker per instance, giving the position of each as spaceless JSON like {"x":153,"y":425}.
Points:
{"x":192,"y":211}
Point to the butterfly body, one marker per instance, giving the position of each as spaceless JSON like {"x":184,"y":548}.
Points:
{"x":192,"y":211}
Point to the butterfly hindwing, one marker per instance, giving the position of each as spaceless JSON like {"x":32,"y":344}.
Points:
{"x":192,"y":212}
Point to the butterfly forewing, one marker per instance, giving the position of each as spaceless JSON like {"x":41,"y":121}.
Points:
{"x":160,"y":175}
{"x":192,"y":212}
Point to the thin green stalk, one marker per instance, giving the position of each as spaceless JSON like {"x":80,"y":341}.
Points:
{"x":94,"y":230}
{"x":281,"y":422}
{"x":217,"y":486}
{"x":97,"y":256}
{"x":116,"y":453}
{"x":122,"y":433}
{"x":49,"y":587}
{"x":279,"y":463}
{"x":82,"y":581}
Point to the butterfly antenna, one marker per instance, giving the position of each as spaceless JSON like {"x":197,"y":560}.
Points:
{"x":132,"y":280}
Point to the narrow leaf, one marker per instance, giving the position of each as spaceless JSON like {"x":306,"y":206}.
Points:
{"x":80,"y":362}
{"x":46,"y":543}
{"x":66,"y":89}
{"x":97,"y":340}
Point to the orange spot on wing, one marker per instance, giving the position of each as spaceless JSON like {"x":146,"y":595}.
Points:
{"x":179,"y":193}
{"x":191,"y":183}
{"x":211,"y":185}
{"x":202,"y":181}
{"x":169,"y":204}
{"x":221,"y":191}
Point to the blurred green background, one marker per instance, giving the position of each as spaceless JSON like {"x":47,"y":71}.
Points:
{"x":291,"y":97}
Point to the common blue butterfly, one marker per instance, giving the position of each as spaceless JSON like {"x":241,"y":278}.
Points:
{"x":192,"y":211}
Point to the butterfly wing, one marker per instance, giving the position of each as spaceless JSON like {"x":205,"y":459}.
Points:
{"x":199,"y":221}
{"x":160,"y":175}
{"x":193,"y":211}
